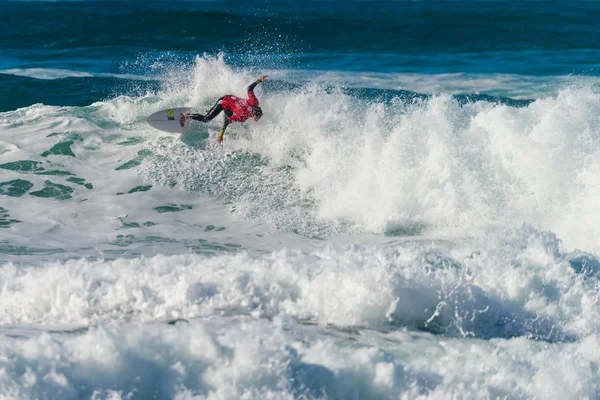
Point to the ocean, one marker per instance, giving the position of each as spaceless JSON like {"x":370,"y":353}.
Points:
{"x":415,"y":216}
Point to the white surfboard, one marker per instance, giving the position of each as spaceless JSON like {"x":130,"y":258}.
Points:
{"x":168,"y":120}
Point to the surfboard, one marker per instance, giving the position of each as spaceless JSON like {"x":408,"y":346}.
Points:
{"x":168,"y":120}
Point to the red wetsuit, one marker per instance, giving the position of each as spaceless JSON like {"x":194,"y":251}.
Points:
{"x":235,"y":108}
{"x":241,"y":108}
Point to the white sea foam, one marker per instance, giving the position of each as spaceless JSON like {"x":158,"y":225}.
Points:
{"x":435,"y":166}
{"x":328,"y":235}
{"x":227,"y":358}
{"x":521,"y":284}
{"x":321,"y":162}
{"x":330,"y":323}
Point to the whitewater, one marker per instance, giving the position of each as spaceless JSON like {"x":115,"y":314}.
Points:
{"x":351,"y":244}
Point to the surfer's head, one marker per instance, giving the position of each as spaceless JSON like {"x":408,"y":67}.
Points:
{"x":256,"y":113}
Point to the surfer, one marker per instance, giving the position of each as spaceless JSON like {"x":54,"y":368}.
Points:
{"x":235,"y":109}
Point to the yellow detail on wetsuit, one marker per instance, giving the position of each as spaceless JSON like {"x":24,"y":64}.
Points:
{"x":221,"y":133}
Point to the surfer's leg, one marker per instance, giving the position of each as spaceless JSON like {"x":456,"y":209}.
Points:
{"x":213,"y":112}
{"x":196,"y":117}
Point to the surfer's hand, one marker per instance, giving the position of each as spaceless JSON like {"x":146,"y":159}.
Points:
{"x":219,"y":139}
{"x":262,"y":78}
{"x":182,"y":119}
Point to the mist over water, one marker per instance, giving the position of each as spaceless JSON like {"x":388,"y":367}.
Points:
{"x":399,"y":224}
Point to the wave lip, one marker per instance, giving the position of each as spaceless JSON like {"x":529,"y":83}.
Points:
{"x":46,"y":73}
{"x":513,"y":86}
{"x":57,"y":73}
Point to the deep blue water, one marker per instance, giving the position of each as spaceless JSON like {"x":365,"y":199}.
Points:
{"x":530,"y":39}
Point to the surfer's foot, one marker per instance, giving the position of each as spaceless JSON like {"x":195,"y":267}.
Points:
{"x":182,"y":119}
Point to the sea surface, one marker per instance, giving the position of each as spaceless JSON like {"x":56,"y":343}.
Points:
{"x":414,"y":217}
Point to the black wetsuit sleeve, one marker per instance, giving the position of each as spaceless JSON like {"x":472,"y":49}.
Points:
{"x":226,"y":122}
{"x":253,"y":85}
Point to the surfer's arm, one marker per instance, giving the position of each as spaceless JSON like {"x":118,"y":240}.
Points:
{"x":226,"y":122}
{"x":253,"y":85}
{"x":253,"y":101}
